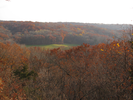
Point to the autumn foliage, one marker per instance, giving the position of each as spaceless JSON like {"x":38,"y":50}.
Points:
{"x":86,"y":72}
{"x":37,"y":33}
{"x":99,"y":72}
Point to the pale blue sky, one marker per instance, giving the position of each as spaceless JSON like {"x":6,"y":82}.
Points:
{"x":87,"y":11}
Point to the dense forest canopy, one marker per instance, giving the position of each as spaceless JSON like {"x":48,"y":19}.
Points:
{"x":100,"y":68}
{"x":38,"y":33}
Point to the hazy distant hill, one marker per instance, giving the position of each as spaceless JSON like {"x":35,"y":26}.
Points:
{"x":112,"y":26}
{"x":107,"y":26}
{"x":38,"y":33}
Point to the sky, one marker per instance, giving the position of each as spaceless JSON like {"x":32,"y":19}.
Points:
{"x":85,"y":11}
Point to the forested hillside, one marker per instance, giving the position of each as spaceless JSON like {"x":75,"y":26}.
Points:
{"x":37,"y":33}
{"x":103,"y":71}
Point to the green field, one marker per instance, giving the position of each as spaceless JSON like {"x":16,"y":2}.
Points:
{"x":52,"y":46}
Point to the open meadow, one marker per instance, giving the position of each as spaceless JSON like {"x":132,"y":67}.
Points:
{"x":52,"y":46}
